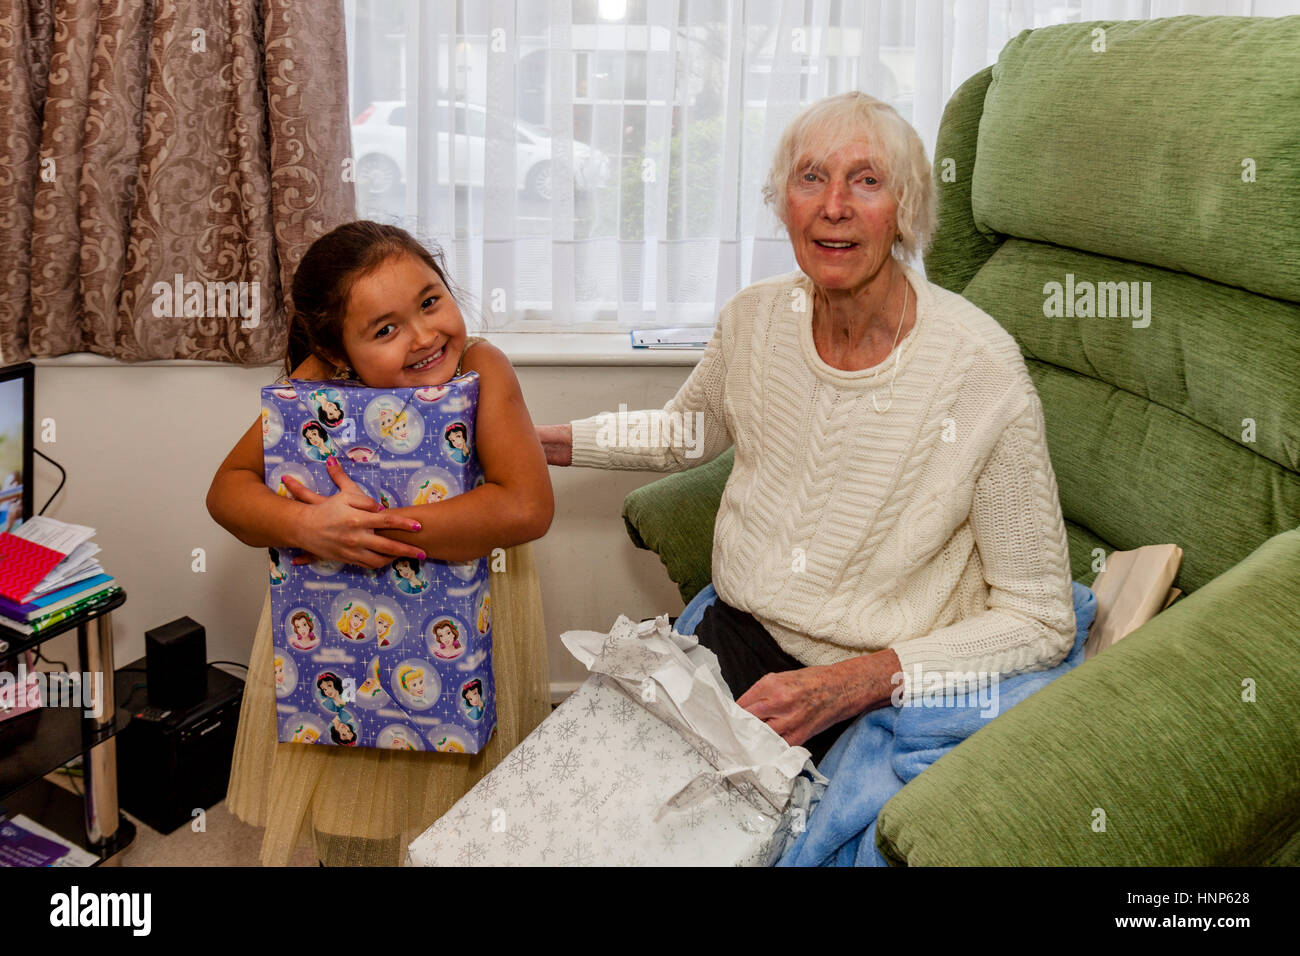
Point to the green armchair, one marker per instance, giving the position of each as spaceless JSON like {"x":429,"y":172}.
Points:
{"x":1124,"y":198}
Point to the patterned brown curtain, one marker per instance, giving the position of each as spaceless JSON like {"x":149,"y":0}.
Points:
{"x":142,"y":140}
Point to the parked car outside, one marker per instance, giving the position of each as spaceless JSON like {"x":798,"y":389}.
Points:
{"x":379,"y":145}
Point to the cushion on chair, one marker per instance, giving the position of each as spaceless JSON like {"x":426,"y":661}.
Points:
{"x":674,"y":517}
{"x":959,"y":248}
{"x":1168,"y":703}
{"x":1150,"y":429}
{"x":1187,"y":429}
{"x":1136,"y":153}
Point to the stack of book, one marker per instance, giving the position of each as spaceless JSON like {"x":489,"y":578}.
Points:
{"x":48,"y":572}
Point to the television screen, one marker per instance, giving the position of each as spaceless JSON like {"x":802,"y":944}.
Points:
{"x":16,"y":413}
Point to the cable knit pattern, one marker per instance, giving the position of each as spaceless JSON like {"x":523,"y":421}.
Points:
{"x":933,"y":528}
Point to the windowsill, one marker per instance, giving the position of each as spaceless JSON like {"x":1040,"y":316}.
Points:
{"x":522,"y":348}
{"x":584,"y":348}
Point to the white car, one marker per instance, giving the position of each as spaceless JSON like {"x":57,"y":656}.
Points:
{"x":379,"y":145}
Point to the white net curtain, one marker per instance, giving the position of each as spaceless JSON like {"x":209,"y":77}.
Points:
{"x":596,"y":164}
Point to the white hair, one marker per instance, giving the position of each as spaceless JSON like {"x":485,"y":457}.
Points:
{"x":827,"y":125}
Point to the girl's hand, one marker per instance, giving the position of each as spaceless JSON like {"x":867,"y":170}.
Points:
{"x":557,"y":443}
{"x":340,"y":527}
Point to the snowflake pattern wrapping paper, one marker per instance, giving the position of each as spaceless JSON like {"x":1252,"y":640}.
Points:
{"x":401,"y":657}
{"x":621,"y":774}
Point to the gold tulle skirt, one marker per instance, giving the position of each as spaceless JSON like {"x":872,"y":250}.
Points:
{"x":363,"y":807}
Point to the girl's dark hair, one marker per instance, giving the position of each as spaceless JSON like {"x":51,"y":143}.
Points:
{"x":324,"y":279}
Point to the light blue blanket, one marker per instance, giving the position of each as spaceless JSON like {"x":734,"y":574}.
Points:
{"x":887,"y":747}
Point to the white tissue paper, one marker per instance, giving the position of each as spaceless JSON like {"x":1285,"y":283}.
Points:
{"x":649,"y":762}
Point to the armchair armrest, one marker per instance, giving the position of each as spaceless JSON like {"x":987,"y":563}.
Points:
{"x":674,"y":517}
{"x":1184,"y":735}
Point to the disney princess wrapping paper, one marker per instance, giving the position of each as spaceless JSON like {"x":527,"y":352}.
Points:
{"x":400,"y":657}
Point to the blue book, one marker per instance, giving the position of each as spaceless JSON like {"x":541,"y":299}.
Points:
{"x":55,"y":600}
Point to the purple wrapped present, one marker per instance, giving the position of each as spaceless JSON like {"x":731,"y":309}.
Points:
{"x":401,"y":657}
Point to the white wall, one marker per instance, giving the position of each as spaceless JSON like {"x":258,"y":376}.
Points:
{"x":141,"y":444}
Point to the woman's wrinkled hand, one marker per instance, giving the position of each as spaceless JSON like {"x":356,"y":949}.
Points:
{"x":799,"y":704}
{"x":342,"y":526}
{"x":557,"y":443}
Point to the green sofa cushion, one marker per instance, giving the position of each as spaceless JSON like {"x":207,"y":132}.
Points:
{"x":1147,"y":427}
{"x":959,"y":249}
{"x":1212,"y":353}
{"x":1111,"y":152}
{"x":1164,"y":704}
{"x":674,"y":517}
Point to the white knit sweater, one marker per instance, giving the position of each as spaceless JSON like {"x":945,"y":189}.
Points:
{"x":933,"y":527}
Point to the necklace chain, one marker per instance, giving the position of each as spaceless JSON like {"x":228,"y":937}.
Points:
{"x":902,"y":317}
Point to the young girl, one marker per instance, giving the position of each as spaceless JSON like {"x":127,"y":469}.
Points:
{"x":371,"y":304}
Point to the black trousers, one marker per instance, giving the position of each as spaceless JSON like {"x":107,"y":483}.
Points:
{"x":746,"y":652}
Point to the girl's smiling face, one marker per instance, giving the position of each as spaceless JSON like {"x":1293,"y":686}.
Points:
{"x":402,"y":327}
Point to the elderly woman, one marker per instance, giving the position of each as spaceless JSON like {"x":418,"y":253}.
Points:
{"x":892,"y":510}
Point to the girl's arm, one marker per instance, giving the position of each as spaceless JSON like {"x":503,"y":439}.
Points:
{"x":240,"y":502}
{"x":515,"y":503}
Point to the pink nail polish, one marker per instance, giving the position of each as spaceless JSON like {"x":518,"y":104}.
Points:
{"x":423,"y":556}
{"x":415,"y":526}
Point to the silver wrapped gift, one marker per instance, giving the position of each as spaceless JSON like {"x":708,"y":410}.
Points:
{"x":649,"y":762}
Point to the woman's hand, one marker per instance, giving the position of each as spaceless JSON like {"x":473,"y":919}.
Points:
{"x":341,"y":527}
{"x":557,"y":443}
{"x":797,"y":704}
{"x":800,"y":704}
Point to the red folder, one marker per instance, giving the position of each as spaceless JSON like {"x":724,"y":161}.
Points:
{"x":23,"y":565}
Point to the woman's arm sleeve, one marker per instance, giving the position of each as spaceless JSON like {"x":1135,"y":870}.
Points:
{"x":1016,"y":520}
{"x":687,"y":432}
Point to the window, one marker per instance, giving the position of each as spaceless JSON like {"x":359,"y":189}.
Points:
{"x":610,"y":170}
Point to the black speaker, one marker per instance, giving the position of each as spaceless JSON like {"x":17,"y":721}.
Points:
{"x":176,"y":661}
{"x":173,"y":762}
